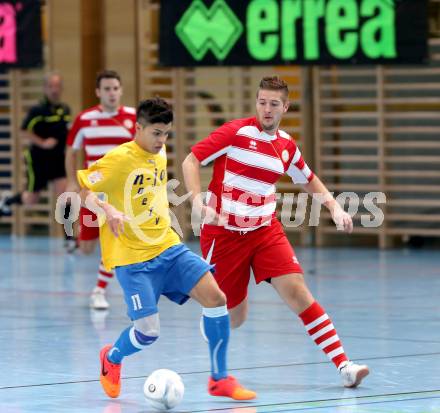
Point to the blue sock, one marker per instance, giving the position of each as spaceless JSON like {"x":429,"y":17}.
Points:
{"x":129,"y":342}
{"x":216,"y":325}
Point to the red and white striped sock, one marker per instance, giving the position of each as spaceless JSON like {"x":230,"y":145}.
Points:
{"x":103,"y":276}
{"x":321,"y":330}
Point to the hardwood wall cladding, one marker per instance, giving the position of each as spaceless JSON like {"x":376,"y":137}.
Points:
{"x":29,"y":86}
{"x":204,"y":98}
{"x":376,"y":129}
{"x":362,"y":129}
{"x":67,"y":30}
{"x":23,"y":89}
{"x":80,"y":38}
{"x":92,"y":48}
{"x":412,"y":147}
{"x":120,"y":43}
{"x":64,"y":47}
{"x":8,"y":145}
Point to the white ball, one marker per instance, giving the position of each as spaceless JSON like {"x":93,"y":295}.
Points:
{"x":164,"y":389}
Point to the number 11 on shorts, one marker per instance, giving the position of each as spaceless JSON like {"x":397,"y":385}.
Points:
{"x":136,"y":302}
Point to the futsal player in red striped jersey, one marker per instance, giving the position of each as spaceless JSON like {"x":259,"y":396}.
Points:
{"x":95,"y":132}
{"x":250,"y":155}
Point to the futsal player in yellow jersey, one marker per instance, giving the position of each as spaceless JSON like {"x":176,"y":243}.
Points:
{"x":147,"y":255}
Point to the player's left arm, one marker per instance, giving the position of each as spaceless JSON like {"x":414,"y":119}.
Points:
{"x":318,"y":190}
{"x":300,"y":173}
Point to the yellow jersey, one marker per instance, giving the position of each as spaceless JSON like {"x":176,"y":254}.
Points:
{"x":134,"y":181}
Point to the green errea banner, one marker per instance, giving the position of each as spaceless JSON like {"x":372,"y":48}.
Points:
{"x":268,"y":32}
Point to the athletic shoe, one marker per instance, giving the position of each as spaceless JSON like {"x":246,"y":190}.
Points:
{"x":230,"y":387}
{"x":352,"y":374}
{"x":110,"y":377}
{"x":98,"y":300}
{"x":5,"y":210}
{"x":98,"y":319}
{"x":70,"y":245}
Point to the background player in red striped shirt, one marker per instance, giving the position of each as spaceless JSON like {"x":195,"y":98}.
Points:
{"x":95,"y":132}
{"x":250,"y":155}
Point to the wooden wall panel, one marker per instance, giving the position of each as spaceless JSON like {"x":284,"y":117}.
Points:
{"x":24,"y":88}
{"x":120,"y":43}
{"x":63,"y":28}
{"x":64,"y":48}
{"x":8,"y":145}
{"x":29,"y":86}
{"x":412,"y":147}
{"x":92,"y":48}
{"x":376,"y":129}
{"x":361,"y":129}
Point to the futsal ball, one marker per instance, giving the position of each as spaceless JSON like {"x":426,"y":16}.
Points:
{"x":164,"y":389}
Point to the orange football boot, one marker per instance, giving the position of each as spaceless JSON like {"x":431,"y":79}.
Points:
{"x":230,"y":387}
{"x":110,"y":374}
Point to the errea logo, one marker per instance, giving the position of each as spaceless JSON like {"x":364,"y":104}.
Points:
{"x":253,"y":145}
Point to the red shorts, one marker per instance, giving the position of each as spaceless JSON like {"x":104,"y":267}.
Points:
{"x":88,"y":225}
{"x":266,"y":251}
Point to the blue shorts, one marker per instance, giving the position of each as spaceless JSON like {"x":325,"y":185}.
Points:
{"x":173,"y":274}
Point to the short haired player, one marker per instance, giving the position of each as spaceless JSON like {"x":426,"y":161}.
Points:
{"x":147,"y":255}
{"x":250,"y":155}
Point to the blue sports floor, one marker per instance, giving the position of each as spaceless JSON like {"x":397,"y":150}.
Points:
{"x":385,"y":306}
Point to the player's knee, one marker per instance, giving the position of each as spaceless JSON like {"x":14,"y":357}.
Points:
{"x":147,"y":329}
{"x":86,"y":247}
{"x":216,"y":299}
{"x":143,"y":339}
{"x":237,"y":317}
{"x":298,"y":285}
{"x":237,"y":321}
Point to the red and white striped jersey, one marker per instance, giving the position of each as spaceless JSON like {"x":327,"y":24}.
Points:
{"x":97,"y":132}
{"x":248,"y":163}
